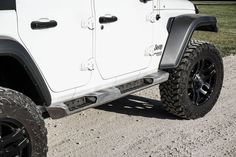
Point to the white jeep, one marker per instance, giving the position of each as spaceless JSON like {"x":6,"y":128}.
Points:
{"x":59,"y":57}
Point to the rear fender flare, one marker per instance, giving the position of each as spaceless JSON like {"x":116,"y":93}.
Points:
{"x":15,"y":50}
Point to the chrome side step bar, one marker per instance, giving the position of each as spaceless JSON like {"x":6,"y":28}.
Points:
{"x":104,"y":96}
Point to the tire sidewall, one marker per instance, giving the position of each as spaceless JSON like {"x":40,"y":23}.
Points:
{"x":204,"y":51}
{"x":16,"y":107}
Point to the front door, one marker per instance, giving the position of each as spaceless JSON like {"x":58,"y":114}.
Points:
{"x":123,"y":35}
{"x":52,"y":32}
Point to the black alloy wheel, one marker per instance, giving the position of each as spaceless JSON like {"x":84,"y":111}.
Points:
{"x":22,"y":128}
{"x":14,"y":139}
{"x":202,"y":81}
{"x":195,"y":85}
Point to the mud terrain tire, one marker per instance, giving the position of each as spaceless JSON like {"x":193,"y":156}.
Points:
{"x":22,"y":128}
{"x":194,"y":86}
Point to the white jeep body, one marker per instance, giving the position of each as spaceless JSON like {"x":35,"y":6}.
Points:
{"x":79,"y":55}
{"x":59,"y":57}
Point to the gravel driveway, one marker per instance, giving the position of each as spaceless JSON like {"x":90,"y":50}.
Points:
{"x":137,"y":126}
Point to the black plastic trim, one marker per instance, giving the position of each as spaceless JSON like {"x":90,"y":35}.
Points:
{"x":16,"y":50}
{"x":196,"y":9}
{"x":182,"y":28}
{"x":170,"y":23}
{"x":43,"y":25}
{"x":105,"y":20}
{"x":144,"y":1}
{"x":7,"y":4}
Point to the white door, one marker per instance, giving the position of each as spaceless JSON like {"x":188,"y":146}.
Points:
{"x":52,"y":32}
{"x":122,"y":36}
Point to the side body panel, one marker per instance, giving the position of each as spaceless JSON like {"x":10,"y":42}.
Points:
{"x":96,"y":83}
{"x":11,"y":45}
{"x":167,"y":10}
{"x":121,"y":46}
{"x":61,"y":51}
{"x":159,"y":37}
{"x":8,"y":25}
{"x":175,"y":5}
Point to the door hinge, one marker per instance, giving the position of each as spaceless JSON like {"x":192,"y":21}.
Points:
{"x":152,"y":17}
{"x":156,"y":5}
{"x":88,"y":65}
{"x":155,"y":14}
{"x":88,"y":23}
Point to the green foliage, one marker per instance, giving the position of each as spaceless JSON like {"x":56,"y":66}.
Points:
{"x":225,"y":39}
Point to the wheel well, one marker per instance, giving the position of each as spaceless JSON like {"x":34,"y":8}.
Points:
{"x":14,"y":75}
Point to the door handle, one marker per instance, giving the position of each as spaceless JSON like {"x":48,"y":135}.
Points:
{"x":43,"y":24}
{"x":107,"y":19}
{"x":144,"y":1}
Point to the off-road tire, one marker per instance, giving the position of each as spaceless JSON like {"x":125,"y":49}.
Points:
{"x":175,"y":92}
{"x":19,"y":108}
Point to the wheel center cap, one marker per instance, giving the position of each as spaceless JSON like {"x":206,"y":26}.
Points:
{"x":201,"y":85}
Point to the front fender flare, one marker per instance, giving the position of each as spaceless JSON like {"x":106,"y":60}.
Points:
{"x":180,"y":30}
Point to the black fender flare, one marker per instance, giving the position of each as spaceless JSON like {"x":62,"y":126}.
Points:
{"x":15,"y":50}
{"x":7,"y":4}
{"x":180,"y":30}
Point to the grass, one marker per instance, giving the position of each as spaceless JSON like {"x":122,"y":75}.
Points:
{"x":225,"y":39}
{"x":214,"y":2}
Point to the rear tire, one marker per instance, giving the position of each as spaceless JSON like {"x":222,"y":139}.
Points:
{"x":194,"y":86}
{"x":22,"y":128}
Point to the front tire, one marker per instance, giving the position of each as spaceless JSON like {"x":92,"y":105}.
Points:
{"x":22,"y":128}
{"x":194,"y":86}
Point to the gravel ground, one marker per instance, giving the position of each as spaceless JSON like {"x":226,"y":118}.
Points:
{"x":137,"y":126}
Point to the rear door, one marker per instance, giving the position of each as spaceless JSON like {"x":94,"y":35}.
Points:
{"x":122,"y":36}
{"x":52,"y":32}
